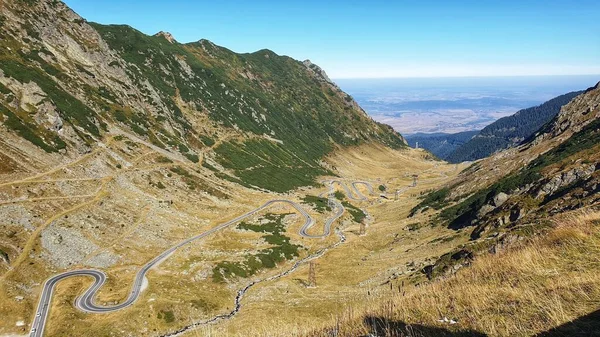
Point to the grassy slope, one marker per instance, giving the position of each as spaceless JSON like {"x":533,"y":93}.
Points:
{"x":461,"y":214}
{"x":546,"y":281}
{"x":281,"y":99}
{"x":184,"y":97}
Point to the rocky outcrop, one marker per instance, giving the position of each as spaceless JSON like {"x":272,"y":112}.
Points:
{"x":574,"y":116}
{"x":566,"y":178}
{"x":448,"y":264}
{"x":167,"y":36}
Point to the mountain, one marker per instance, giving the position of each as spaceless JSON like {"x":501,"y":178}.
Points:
{"x":531,"y":216}
{"x":259,"y":119}
{"x":556,"y":171}
{"x":440,"y":144}
{"x":116,"y":146}
{"x":187,"y":180}
{"x":509,"y":131}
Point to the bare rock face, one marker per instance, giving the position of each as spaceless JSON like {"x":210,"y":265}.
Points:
{"x":574,"y":116}
{"x":167,"y":36}
{"x":566,"y":178}
{"x":485,"y":209}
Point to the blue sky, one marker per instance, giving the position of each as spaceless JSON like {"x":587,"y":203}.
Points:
{"x":373,"y":39}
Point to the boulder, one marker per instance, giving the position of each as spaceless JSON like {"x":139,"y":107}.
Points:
{"x":500,"y":199}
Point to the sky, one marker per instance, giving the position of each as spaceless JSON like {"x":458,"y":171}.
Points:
{"x":383,"y":39}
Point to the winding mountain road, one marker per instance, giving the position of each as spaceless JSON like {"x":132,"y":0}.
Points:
{"x":351,"y":192}
{"x":86,"y":301}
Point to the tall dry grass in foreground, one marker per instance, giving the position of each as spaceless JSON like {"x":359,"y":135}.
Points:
{"x":543,"y":282}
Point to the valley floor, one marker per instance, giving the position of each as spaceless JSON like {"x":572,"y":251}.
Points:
{"x":120,"y":205}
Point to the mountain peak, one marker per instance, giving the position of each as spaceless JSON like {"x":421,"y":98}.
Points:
{"x":318,"y":71}
{"x":168,"y":36}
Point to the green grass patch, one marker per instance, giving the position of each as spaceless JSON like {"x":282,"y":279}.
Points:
{"x":357,"y":214}
{"x":207,"y":140}
{"x":192,"y":157}
{"x":318,"y":203}
{"x":435,"y":200}
{"x":281,"y":250}
{"x":168,"y":316}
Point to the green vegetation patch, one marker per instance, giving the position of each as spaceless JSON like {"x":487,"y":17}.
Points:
{"x":339,"y":195}
{"x":435,"y":200}
{"x":282,"y":249}
{"x":269,"y":165}
{"x":318,"y":203}
{"x":207,"y":140}
{"x":192,"y":157}
{"x":4,"y":90}
{"x":31,"y":132}
{"x":357,"y":214}
{"x":168,"y":316}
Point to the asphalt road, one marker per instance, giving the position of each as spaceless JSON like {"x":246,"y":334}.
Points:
{"x":86,"y":301}
{"x":351,"y":192}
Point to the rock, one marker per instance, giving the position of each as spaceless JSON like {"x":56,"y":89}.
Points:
{"x":168,"y":36}
{"x":500,"y":199}
{"x":485,"y":209}
{"x":462,"y":254}
{"x":566,"y":178}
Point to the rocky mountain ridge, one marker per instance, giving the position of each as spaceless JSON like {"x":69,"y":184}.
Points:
{"x":518,"y":191}
{"x":65,"y":83}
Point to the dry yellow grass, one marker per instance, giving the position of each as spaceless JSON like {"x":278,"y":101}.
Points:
{"x":353,"y":272}
{"x":539,"y":283}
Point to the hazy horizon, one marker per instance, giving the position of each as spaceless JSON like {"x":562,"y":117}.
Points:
{"x":455,"y":104}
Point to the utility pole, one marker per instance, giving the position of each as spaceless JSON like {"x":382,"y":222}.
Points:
{"x":312,"y":274}
{"x":363,"y":229}
{"x":415,"y":178}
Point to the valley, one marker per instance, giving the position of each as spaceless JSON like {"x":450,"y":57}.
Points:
{"x":90,"y":198}
{"x":154,"y":188}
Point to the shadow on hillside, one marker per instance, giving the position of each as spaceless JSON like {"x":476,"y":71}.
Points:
{"x":588,"y":325}
{"x":381,"y":327}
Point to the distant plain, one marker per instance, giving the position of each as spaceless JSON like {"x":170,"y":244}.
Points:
{"x":451,"y":105}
